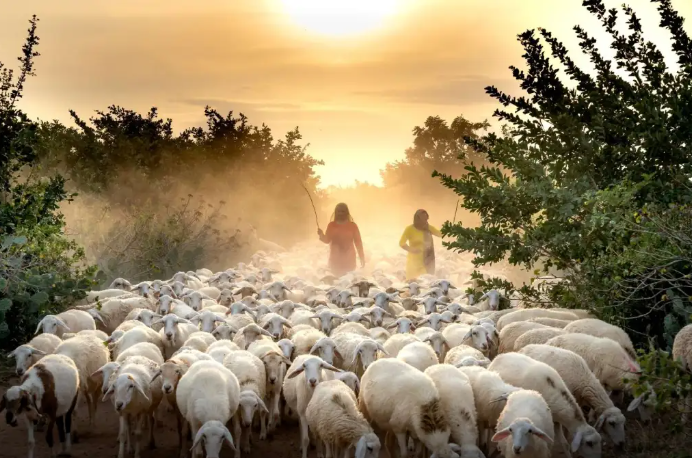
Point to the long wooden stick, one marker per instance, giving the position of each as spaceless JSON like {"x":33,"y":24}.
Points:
{"x":313,"y":205}
{"x":455,"y":213}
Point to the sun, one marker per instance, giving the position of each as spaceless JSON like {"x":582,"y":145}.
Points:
{"x":340,"y":17}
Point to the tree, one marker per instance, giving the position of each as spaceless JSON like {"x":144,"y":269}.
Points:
{"x":41,"y":271}
{"x":573,"y":165}
{"x":436,"y":146}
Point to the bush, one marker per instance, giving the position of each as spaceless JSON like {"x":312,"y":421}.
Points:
{"x":41,"y":271}
{"x":576,"y":162}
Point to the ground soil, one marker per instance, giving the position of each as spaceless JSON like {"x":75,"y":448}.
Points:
{"x":655,"y":440}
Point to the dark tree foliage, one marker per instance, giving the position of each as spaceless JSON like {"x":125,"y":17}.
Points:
{"x":39,"y":267}
{"x":436,"y":146}
{"x":576,"y":165}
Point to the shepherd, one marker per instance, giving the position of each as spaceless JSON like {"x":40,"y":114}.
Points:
{"x":417,"y":240}
{"x":344,"y":240}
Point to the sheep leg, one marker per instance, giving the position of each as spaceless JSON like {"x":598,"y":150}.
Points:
{"x":320,"y":449}
{"x":263,"y":425}
{"x":327,"y":450}
{"x":139,"y":424}
{"x":247,"y":432}
{"x":389,"y":444}
{"x":60,"y":421}
{"x":49,"y":436}
{"x":122,"y":436}
{"x":179,"y":423}
{"x":183,"y":439}
{"x":304,"y":436}
{"x":237,"y":432}
{"x":30,"y":439}
{"x":276,"y":412}
{"x":67,"y":446}
{"x":403,"y":444}
{"x":152,"y":424}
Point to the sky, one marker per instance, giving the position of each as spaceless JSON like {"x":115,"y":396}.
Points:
{"x":355,"y":75}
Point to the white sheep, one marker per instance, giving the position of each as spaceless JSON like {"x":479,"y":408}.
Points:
{"x":49,"y":388}
{"x":333,"y":416}
{"x":598,"y":328}
{"x":456,"y":354}
{"x":351,"y":327}
{"x":527,"y":419}
{"x":275,"y":364}
{"x":30,"y":353}
{"x":553,"y":322}
{"x":585,"y":387}
{"x":537,"y":336}
{"x":115,"y":311}
{"x":199,"y":340}
{"x":287,"y":347}
{"x":395,"y":343}
{"x":68,"y":321}
{"x":135,"y":398}
{"x":401,"y":400}
{"x":525,"y":372}
{"x":526,"y":314}
{"x":456,"y":395}
{"x":252,"y":380}
{"x":606,"y":358}
{"x":88,"y":354}
{"x":419,"y":355}
{"x":220,"y":349}
{"x":302,"y":377}
{"x":511,"y":332}
{"x":208,"y":396}
{"x":357,"y":352}
{"x":275,"y":323}
{"x":120,"y":343}
{"x":682,"y":352}
{"x":475,"y":335}
{"x":174,"y":332}
{"x":207,"y":320}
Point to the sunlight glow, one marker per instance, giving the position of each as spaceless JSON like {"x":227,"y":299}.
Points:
{"x":340,"y":17}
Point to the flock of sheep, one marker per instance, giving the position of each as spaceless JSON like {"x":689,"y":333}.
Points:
{"x":356,"y":360}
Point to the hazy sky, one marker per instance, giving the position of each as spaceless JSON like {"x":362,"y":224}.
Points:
{"x":355,"y":96}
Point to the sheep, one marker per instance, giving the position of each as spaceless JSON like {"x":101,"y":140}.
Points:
{"x":326,"y":318}
{"x":525,"y":372}
{"x":249,"y":334}
{"x":537,"y":336}
{"x":333,"y":416}
{"x":174,"y":332}
{"x":134,"y":336}
{"x":274,"y":323}
{"x":403,"y":325}
{"x":350,"y":327}
{"x":682,"y":352}
{"x":208,"y":396}
{"x":95,"y":296}
{"x":438,"y":343}
{"x":357,"y":352}
{"x":224,"y":331}
{"x":220,"y":349}
{"x":419,"y":355}
{"x":456,"y":395}
{"x":511,"y":332}
{"x":273,"y":359}
{"x":350,"y":379}
{"x":476,"y":336}
{"x":606,"y":358}
{"x":526,"y":314}
{"x":144,"y":316}
{"x":305,"y":339}
{"x":304,"y":374}
{"x":49,"y":388}
{"x":456,"y":354}
{"x":395,"y":343}
{"x":115,"y":311}
{"x":88,"y":332}
{"x":401,"y":400}
{"x":287,"y":347}
{"x":170,"y":305}
{"x":68,"y":321}
{"x":327,"y":349}
{"x":199,"y":340}
{"x":553,"y":322}
{"x":598,"y":328}
{"x":146,"y":349}
{"x":586,"y":389}
{"x":252,"y":379}
{"x":135,"y":398}
{"x":528,"y":420}
{"x":30,"y":353}
{"x":88,"y":354}
{"x":124,"y":327}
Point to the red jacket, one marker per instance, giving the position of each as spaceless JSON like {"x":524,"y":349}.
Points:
{"x":343,"y":239}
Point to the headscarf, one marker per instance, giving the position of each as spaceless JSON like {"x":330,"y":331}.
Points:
{"x":342,"y":206}
{"x":420,"y":223}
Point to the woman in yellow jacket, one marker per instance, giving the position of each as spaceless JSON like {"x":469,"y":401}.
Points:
{"x":417,"y":240}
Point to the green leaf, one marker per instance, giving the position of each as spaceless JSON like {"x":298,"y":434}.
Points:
{"x":40,"y":298}
{"x":5,"y":304}
{"x":3,"y":283}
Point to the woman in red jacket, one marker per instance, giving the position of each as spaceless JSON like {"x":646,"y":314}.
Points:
{"x":344,"y":239}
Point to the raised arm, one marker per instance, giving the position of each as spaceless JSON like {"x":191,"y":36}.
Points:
{"x":359,"y":243}
{"x":326,"y":238}
{"x":435,"y":231}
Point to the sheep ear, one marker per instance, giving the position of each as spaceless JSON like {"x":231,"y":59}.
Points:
{"x":198,"y":438}
{"x":576,"y":442}
{"x":141,"y":391}
{"x":500,"y":435}
{"x":467,"y":335}
{"x":313,"y":349}
{"x":62,"y":323}
{"x":540,"y":434}
{"x":381,"y":348}
{"x":599,"y":422}
{"x":392,"y":325}
{"x":636,"y":402}
{"x":329,"y":367}
{"x":261,"y":404}
{"x":229,"y":438}
{"x":296,"y":372}
{"x":286,"y":361}
{"x":267,"y":333}
{"x":156,"y":375}
{"x":108,"y":393}
{"x":40,"y":325}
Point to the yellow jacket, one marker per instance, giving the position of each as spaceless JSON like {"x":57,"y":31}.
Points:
{"x":415,"y":239}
